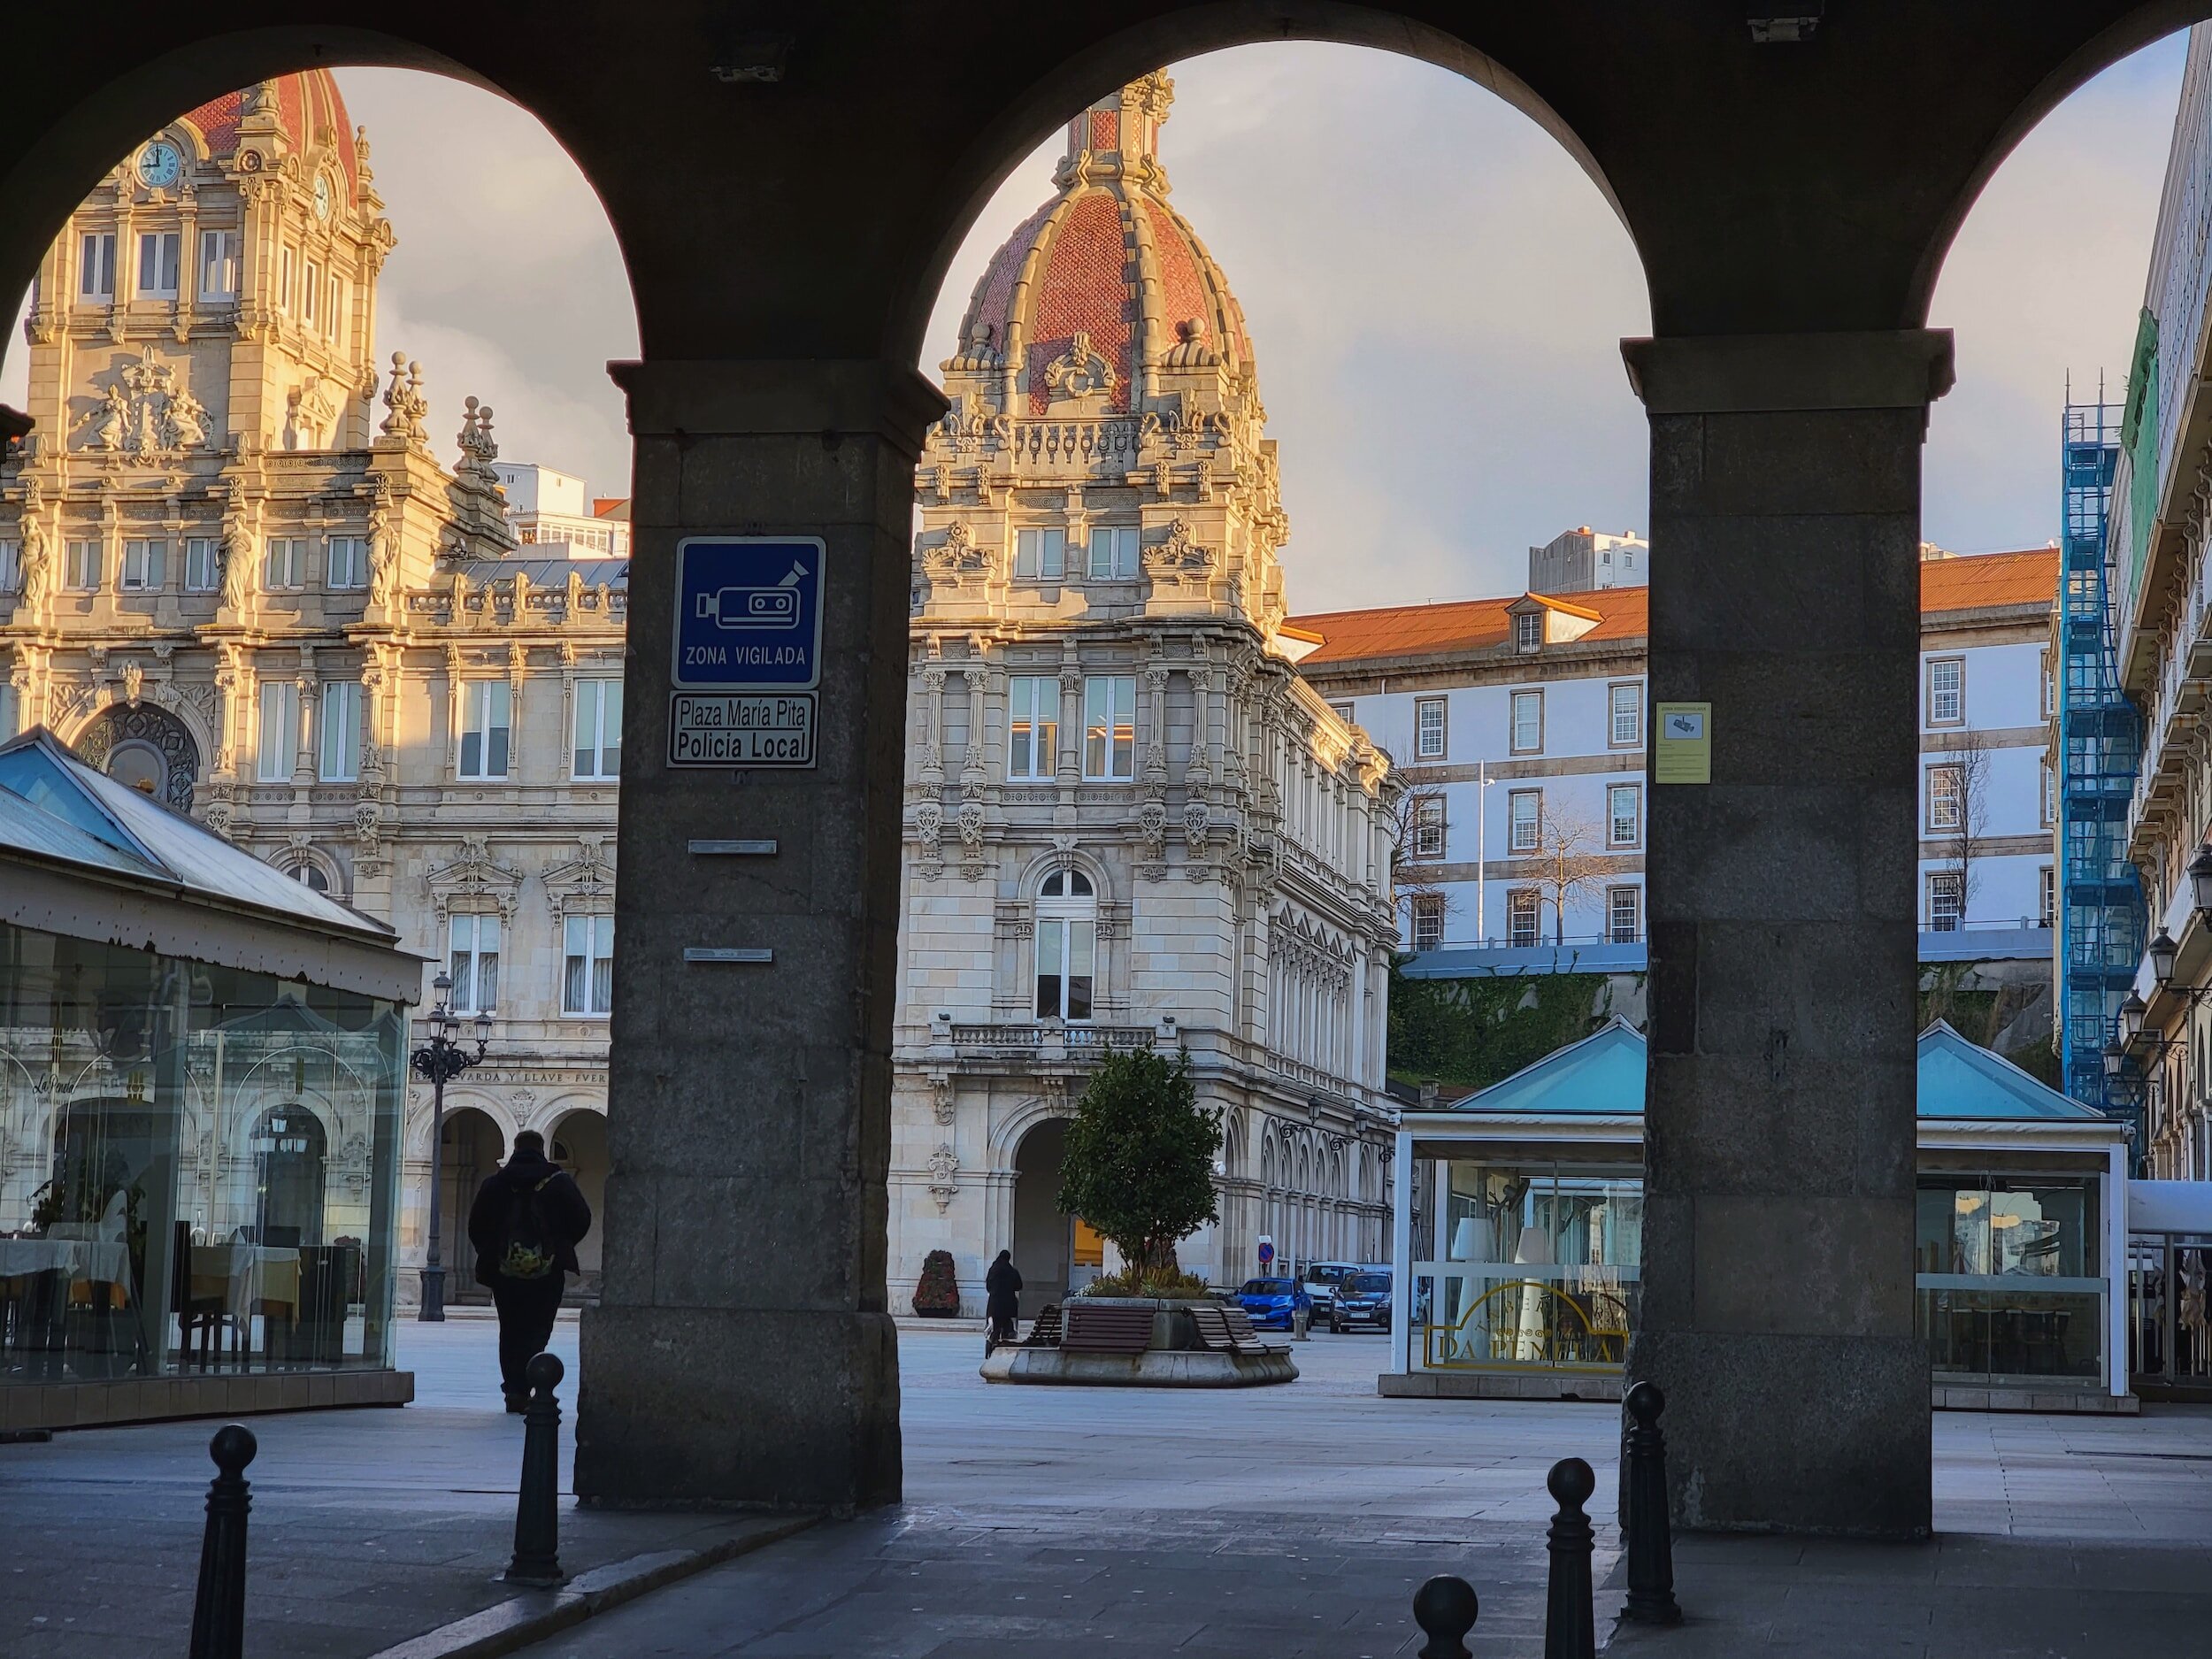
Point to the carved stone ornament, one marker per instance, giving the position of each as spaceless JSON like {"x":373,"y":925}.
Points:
{"x":968,"y":820}
{"x":942,"y":1094}
{"x":144,"y":411}
{"x":474,"y":881}
{"x":1196,"y":822}
{"x":1079,"y":374}
{"x":929,"y":822}
{"x":956,"y":559}
{"x":1179,"y":558}
{"x":944,"y":1164}
{"x":1152,"y":828}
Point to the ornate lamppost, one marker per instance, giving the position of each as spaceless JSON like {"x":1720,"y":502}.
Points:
{"x":437,"y":1062}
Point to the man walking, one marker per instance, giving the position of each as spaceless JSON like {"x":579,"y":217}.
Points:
{"x":525,"y":1223}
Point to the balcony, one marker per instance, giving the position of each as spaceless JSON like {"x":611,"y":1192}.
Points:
{"x":1044,"y":1041}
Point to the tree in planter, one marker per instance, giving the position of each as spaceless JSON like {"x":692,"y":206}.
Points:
{"x":1139,"y":1160}
{"x":938,"y":1292}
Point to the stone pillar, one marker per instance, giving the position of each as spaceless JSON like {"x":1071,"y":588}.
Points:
{"x":743,"y":1351}
{"x":1777,"y":1302}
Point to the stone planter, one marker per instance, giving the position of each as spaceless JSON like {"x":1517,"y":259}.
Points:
{"x":1172,"y":1359}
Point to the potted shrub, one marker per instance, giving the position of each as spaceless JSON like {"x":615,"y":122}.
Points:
{"x":938,"y":1294}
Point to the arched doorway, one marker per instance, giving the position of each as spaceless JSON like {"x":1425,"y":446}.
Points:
{"x":1043,"y":1235}
{"x":146,"y":747}
{"x":290,"y":1153}
{"x":580,"y":1147}
{"x":473,"y":1148}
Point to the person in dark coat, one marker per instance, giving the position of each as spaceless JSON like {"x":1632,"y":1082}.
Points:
{"x":526,"y":1304}
{"x":1001,"y":1288}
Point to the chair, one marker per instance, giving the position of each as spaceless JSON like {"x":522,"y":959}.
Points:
{"x":203,"y":1316}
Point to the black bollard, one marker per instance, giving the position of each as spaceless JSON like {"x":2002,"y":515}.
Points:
{"x":1444,"y":1609}
{"x":219,"y":1610}
{"x":537,"y":1507}
{"x":1570,"y":1627}
{"x":1650,"y":1537}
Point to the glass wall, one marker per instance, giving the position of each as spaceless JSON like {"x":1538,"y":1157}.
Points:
{"x":1533,"y":1264}
{"x":2009,"y":1285}
{"x":198,"y":1166}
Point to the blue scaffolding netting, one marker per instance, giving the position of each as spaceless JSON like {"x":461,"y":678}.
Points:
{"x":2100,"y":901}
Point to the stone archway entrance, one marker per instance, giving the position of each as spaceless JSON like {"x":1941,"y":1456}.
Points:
{"x":146,"y":747}
{"x":579,"y":1145}
{"x":1043,"y":1235}
{"x":473,"y":1149}
{"x":290,"y":1152}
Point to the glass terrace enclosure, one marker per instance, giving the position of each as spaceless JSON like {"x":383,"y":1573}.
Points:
{"x":1525,"y":1272}
{"x":201,"y":1065}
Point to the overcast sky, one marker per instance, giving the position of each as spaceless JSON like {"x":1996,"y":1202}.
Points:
{"x":1435,"y":294}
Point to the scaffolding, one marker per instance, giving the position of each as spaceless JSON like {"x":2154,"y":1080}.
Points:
{"x":2099,"y":899}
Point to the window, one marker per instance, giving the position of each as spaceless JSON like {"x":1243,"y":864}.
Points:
{"x":1946,"y":909}
{"x":334,"y":314}
{"x":472,"y":959}
{"x":1623,"y":815}
{"x":311,"y":878}
{"x":1428,"y":921}
{"x":484,"y":729}
{"x":1343,"y":711}
{"x":1033,"y":724}
{"x":203,"y":572}
{"x":588,"y":966}
{"x":1947,"y":691}
{"x":1528,"y":722}
{"x":145,"y":565}
{"x":1525,"y":816}
{"x":85,"y":566}
{"x":96,"y":266}
{"x":1943,"y":802}
{"x":1624,"y":913}
{"x":596,"y":751}
{"x":285,"y":564}
{"x":157,"y":264}
{"x":1428,"y":728}
{"x":310,"y":293}
{"x":1428,"y":827}
{"x":1067,"y":946}
{"x":11,"y":566}
{"x":219,"y":264}
{"x":1528,"y":631}
{"x":1520,"y":917}
{"x":1041,"y":554}
{"x":284,"y":279}
{"x":1114,"y":553}
{"x":340,"y":759}
{"x":2050,"y":687}
{"x":1110,"y":727}
{"x":2050,"y":793}
{"x":280,"y":719}
{"x":1625,"y":708}
{"x":2050,"y":897}
{"x":349,"y":562}
{"x":10,"y":712}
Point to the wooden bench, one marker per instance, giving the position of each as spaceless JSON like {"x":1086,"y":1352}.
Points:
{"x":1092,"y":1328}
{"x":1044,"y":1331}
{"x":1243,"y":1338}
{"x":1213,"y":1328}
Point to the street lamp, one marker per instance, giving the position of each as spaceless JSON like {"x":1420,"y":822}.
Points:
{"x":2200,"y":878}
{"x":2162,"y":950}
{"x":2116,"y":1060}
{"x":437,"y":1062}
{"x":2132,"y":1011}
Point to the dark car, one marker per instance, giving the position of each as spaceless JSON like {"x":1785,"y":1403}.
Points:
{"x":1321,"y":1279}
{"x":1362,"y":1303}
{"x":1272,"y":1301}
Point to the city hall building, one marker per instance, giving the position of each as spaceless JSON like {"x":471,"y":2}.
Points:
{"x":236,"y":575}
{"x":1130,"y":823}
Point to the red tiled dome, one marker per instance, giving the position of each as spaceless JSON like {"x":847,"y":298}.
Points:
{"x":1109,"y":259}
{"x":307,"y":103}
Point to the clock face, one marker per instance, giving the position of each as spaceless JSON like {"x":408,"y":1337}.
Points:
{"x":159,"y":164}
{"x":322,"y":196}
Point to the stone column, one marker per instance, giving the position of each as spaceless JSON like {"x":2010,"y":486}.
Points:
{"x":743,"y":1351}
{"x":1778,"y":1302}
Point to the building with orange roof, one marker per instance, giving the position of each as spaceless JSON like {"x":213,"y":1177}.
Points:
{"x":1520,"y":724}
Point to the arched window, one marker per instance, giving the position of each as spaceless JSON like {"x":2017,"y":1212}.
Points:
{"x":310,"y":876}
{"x":1067,"y":946}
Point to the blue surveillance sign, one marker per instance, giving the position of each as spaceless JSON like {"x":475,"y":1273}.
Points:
{"x":748,"y":652}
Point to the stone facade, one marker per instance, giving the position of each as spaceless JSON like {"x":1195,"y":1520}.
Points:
{"x":1128,"y":823}
{"x":232,"y":573}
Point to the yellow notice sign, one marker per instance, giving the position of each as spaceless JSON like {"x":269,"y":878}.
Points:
{"x":1685,"y":752}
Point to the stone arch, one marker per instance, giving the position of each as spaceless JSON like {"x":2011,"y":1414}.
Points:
{"x":1019,"y":1120}
{"x":143,"y":744}
{"x":1045,"y":860}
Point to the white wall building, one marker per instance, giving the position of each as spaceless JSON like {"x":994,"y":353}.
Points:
{"x":1583,"y":560}
{"x":1519,"y":726}
{"x":558,"y":512}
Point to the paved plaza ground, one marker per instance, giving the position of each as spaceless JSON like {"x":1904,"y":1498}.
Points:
{"x":1276,"y":1522}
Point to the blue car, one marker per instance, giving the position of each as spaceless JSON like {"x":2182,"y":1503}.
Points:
{"x":1273,"y":1301}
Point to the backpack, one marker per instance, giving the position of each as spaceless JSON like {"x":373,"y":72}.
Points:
{"x":527,"y":1248}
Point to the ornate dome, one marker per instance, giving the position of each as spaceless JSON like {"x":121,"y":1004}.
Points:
{"x":1106,"y":283}
{"x":307,"y":108}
